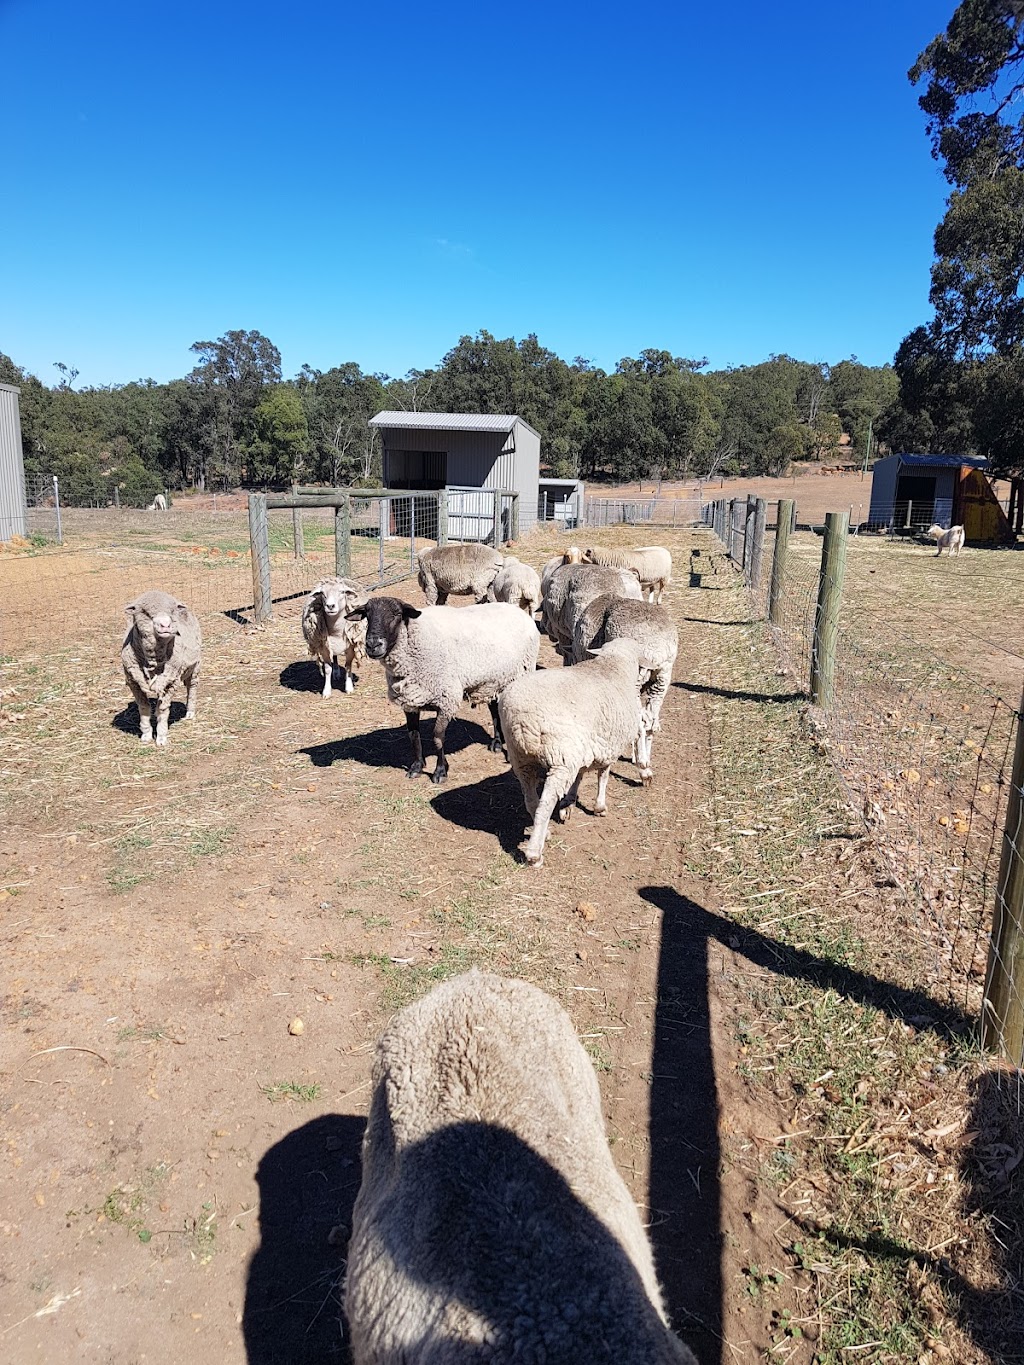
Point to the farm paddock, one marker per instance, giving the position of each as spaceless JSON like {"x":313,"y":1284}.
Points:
{"x":801,"y":1117}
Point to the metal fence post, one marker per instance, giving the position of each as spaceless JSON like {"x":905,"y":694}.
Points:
{"x":56,"y":505}
{"x":412,"y":530}
{"x":826,"y":617}
{"x":783,"y":526}
{"x":1002,"y":1008}
{"x":259,"y":549}
{"x":300,"y":548}
{"x":442,"y":516}
{"x":343,"y":537}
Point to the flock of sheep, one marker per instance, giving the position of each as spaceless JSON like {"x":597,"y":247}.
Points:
{"x":491,"y":1222}
{"x":554,"y":724}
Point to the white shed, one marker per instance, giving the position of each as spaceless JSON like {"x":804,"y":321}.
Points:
{"x":469,"y":453}
{"x":12,"y":465}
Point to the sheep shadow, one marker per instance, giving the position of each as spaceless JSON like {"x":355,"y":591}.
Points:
{"x":308,"y":1183}
{"x":129,"y":722}
{"x":390,"y":748}
{"x":493,"y":805}
{"x":304,"y":676}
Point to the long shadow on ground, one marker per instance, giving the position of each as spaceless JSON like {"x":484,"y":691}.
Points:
{"x":493,"y":805}
{"x":390,"y":748}
{"x":308,"y":1183}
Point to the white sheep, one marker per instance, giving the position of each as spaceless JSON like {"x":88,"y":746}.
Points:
{"x":558,"y":724}
{"x":159,"y":504}
{"x":654,"y":632}
{"x":573,"y":555}
{"x":951,"y":540}
{"x":570,"y":588}
{"x":333,"y":639}
{"x":491,"y":1223}
{"x":163,"y":646}
{"x":652,"y":562}
{"x":458,"y":570}
{"x":519,"y":584}
{"x":437,"y":658}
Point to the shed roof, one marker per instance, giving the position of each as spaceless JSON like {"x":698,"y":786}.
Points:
{"x":944,"y":461}
{"x":450,"y":421}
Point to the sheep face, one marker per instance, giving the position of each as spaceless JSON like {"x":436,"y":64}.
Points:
{"x":161,"y":625}
{"x":384,"y":617}
{"x":333,"y":600}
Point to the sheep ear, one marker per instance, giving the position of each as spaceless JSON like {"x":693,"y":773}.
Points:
{"x":130,"y":608}
{"x":409,"y":613}
{"x":359,"y":614}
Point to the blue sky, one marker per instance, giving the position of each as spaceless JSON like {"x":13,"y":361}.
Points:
{"x":370,"y":183}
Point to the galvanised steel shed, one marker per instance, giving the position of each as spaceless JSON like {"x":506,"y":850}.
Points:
{"x":467,"y":453}
{"x":12,"y":465}
{"x":910,"y":492}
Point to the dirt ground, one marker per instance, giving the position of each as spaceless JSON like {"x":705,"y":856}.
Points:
{"x":181,"y":1160}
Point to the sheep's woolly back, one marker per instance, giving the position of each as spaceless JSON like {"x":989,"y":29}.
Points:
{"x":572,"y":586}
{"x":455,"y":569}
{"x":517,"y":583}
{"x":618,"y":618}
{"x":491,"y":1223}
{"x":652,"y":562}
{"x":445,"y":656}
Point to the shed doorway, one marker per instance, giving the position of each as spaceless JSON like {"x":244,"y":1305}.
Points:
{"x":915,"y":500}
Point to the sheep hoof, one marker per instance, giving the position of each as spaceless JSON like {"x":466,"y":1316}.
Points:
{"x":438,"y":776}
{"x":189,"y":715}
{"x":161,"y":742}
{"x":496,"y":746}
{"x":646,"y":778}
{"x":415,"y":771}
{"x":535,"y":859}
{"x":600,"y":810}
{"x":349,"y":686}
{"x":145,"y":739}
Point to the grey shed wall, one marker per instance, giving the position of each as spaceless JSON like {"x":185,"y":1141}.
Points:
{"x":527,"y":475}
{"x":12,"y":465}
{"x":883,"y":490}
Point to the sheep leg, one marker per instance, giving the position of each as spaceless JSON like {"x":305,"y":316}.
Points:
{"x":531,"y":779}
{"x":565,"y":806}
{"x":328,"y":671}
{"x":440,"y":598}
{"x":163,"y":715}
{"x":601,"y":808}
{"x":643,"y":745}
{"x":440,"y":773}
{"x":497,"y":744}
{"x":191,"y":681}
{"x":556,"y":783}
{"x":412,"y":725}
{"x":145,"y":705}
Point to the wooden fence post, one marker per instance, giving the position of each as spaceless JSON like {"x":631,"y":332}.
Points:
{"x":757,"y":549}
{"x":826,"y":617}
{"x":259,"y":549}
{"x":748,"y":538}
{"x":1002,"y":1008}
{"x":343,"y":537}
{"x":783,"y":526}
{"x":514,"y":518}
{"x":442,"y":516}
{"x":497,"y":517}
{"x":300,"y":548}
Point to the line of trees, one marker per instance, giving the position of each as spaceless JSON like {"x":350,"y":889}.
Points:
{"x":234,"y":421}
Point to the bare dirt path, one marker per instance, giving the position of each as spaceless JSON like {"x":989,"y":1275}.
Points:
{"x":180,"y":1167}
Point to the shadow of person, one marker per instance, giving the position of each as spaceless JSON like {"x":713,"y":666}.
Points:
{"x":483,"y":1242}
{"x":390,"y":748}
{"x":308,"y":1183}
{"x":129,"y":722}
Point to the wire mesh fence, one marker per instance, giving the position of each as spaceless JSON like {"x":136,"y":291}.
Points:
{"x":923,"y":745}
{"x":678,"y":512}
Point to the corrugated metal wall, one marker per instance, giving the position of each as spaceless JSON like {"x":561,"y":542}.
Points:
{"x":12,"y":465}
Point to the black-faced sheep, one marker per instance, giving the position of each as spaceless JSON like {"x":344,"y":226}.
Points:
{"x":951,"y":540}
{"x":437,"y":658}
{"x":519,"y":584}
{"x":458,"y":570}
{"x":652,"y":562}
{"x":491,"y":1223}
{"x":162,"y":647}
{"x":560,"y":723}
{"x":334,"y":640}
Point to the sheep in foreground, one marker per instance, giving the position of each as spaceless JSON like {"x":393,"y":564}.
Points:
{"x":162,"y":647}
{"x":159,"y":504}
{"x":951,"y":540}
{"x":333,"y":640}
{"x":491,"y":1222}
{"x":519,"y":584}
{"x":437,"y":658}
{"x":455,"y":570}
{"x":571,"y":588}
{"x":655,"y":633}
{"x":652,"y":563}
{"x":558,"y":724}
